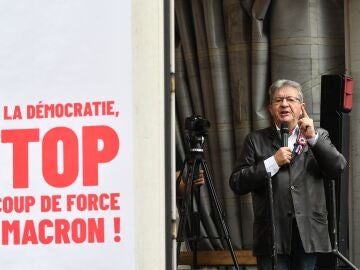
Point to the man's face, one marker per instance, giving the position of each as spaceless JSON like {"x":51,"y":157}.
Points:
{"x":286,"y":106}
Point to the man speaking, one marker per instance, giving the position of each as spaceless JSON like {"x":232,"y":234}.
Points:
{"x":299,"y":161}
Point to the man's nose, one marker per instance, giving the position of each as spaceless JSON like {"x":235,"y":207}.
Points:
{"x":284,"y":102}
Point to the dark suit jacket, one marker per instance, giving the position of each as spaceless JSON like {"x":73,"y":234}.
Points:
{"x":298,"y":190}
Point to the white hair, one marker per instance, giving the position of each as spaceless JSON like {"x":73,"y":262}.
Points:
{"x":281,"y":83}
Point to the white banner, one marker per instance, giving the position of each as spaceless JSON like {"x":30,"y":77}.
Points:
{"x":66,"y":182}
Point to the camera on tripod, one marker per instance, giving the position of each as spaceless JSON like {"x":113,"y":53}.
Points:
{"x":197,"y":127}
{"x":190,"y":208}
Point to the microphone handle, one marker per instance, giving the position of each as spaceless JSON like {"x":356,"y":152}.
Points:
{"x":284,"y":137}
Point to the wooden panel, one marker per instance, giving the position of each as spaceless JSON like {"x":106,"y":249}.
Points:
{"x":217,"y":257}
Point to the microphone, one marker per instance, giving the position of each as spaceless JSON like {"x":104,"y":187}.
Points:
{"x":284,"y":130}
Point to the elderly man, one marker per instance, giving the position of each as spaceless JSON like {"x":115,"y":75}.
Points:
{"x":298,"y":171}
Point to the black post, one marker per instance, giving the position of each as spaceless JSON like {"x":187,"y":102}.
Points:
{"x":272,"y":221}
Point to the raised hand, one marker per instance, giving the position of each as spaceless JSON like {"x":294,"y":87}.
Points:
{"x":306,"y":125}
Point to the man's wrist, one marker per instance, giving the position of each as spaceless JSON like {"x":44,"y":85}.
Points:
{"x":271,"y":165}
{"x":313,"y":141}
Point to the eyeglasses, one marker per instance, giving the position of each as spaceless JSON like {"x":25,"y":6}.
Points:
{"x":291,"y":100}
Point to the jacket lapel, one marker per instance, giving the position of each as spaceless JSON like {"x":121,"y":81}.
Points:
{"x":274,"y":137}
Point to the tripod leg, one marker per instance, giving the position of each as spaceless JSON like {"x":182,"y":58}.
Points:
{"x":335,"y":250}
{"x":219,"y":212}
{"x":187,"y":212}
{"x":184,"y":208}
{"x":196,"y":219}
{"x":344,"y":259}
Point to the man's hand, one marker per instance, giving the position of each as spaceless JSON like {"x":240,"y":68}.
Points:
{"x":283,"y":156}
{"x":200,"y":180}
{"x":306,"y":125}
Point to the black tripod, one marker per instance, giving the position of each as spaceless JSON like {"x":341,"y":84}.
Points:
{"x":333,"y":228}
{"x":193,"y":161}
